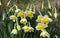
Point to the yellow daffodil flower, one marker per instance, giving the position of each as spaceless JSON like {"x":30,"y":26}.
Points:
{"x":23,"y":21}
{"x":18,"y":27}
{"x":28,"y":29}
{"x":29,"y":14}
{"x":41,"y":26}
{"x":13,"y":18}
{"x":46,"y":19}
{"x":14,"y":31}
{"x":45,"y":34}
{"x":21,"y":14}
{"x":25,"y":28}
{"x":17,"y":10}
{"x":40,"y":18}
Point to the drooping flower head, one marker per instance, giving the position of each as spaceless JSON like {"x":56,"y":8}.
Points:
{"x":18,"y":27}
{"x":28,"y":29}
{"x":13,"y":18}
{"x":45,"y":34}
{"x":14,"y":31}
{"x":17,"y":10}
{"x":23,"y":21}
{"x":25,"y":28}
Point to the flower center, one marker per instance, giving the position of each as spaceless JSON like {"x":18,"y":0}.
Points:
{"x":29,"y":13}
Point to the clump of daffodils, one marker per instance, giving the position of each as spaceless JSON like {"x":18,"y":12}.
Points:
{"x":14,"y":31}
{"x":43,"y":19}
{"x":23,"y":21}
{"x":43,"y":22}
{"x":45,"y":34}
{"x":28,"y":29}
{"x":13,"y":18}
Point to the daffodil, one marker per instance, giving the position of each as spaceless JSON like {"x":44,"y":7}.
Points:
{"x":41,"y":26}
{"x":45,"y":34}
{"x":14,"y":31}
{"x":17,"y":10}
{"x":40,"y":18}
{"x":28,"y":29}
{"x":23,"y":21}
{"x":21,"y":14}
{"x":18,"y":27}
{"x":29,"y":13}
{"x":13,"y":18}
{"x":46,"y":19}
{"x":25,"y":28}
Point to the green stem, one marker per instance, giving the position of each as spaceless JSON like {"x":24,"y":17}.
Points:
{"x":27,"y":35}
{"x":31,"y":35}
{"x":34,"y":34}
{"x":15,"y":36}
{"x":20,"y":34}
{"x":24,"y":35}
{"x":12,"y":36}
